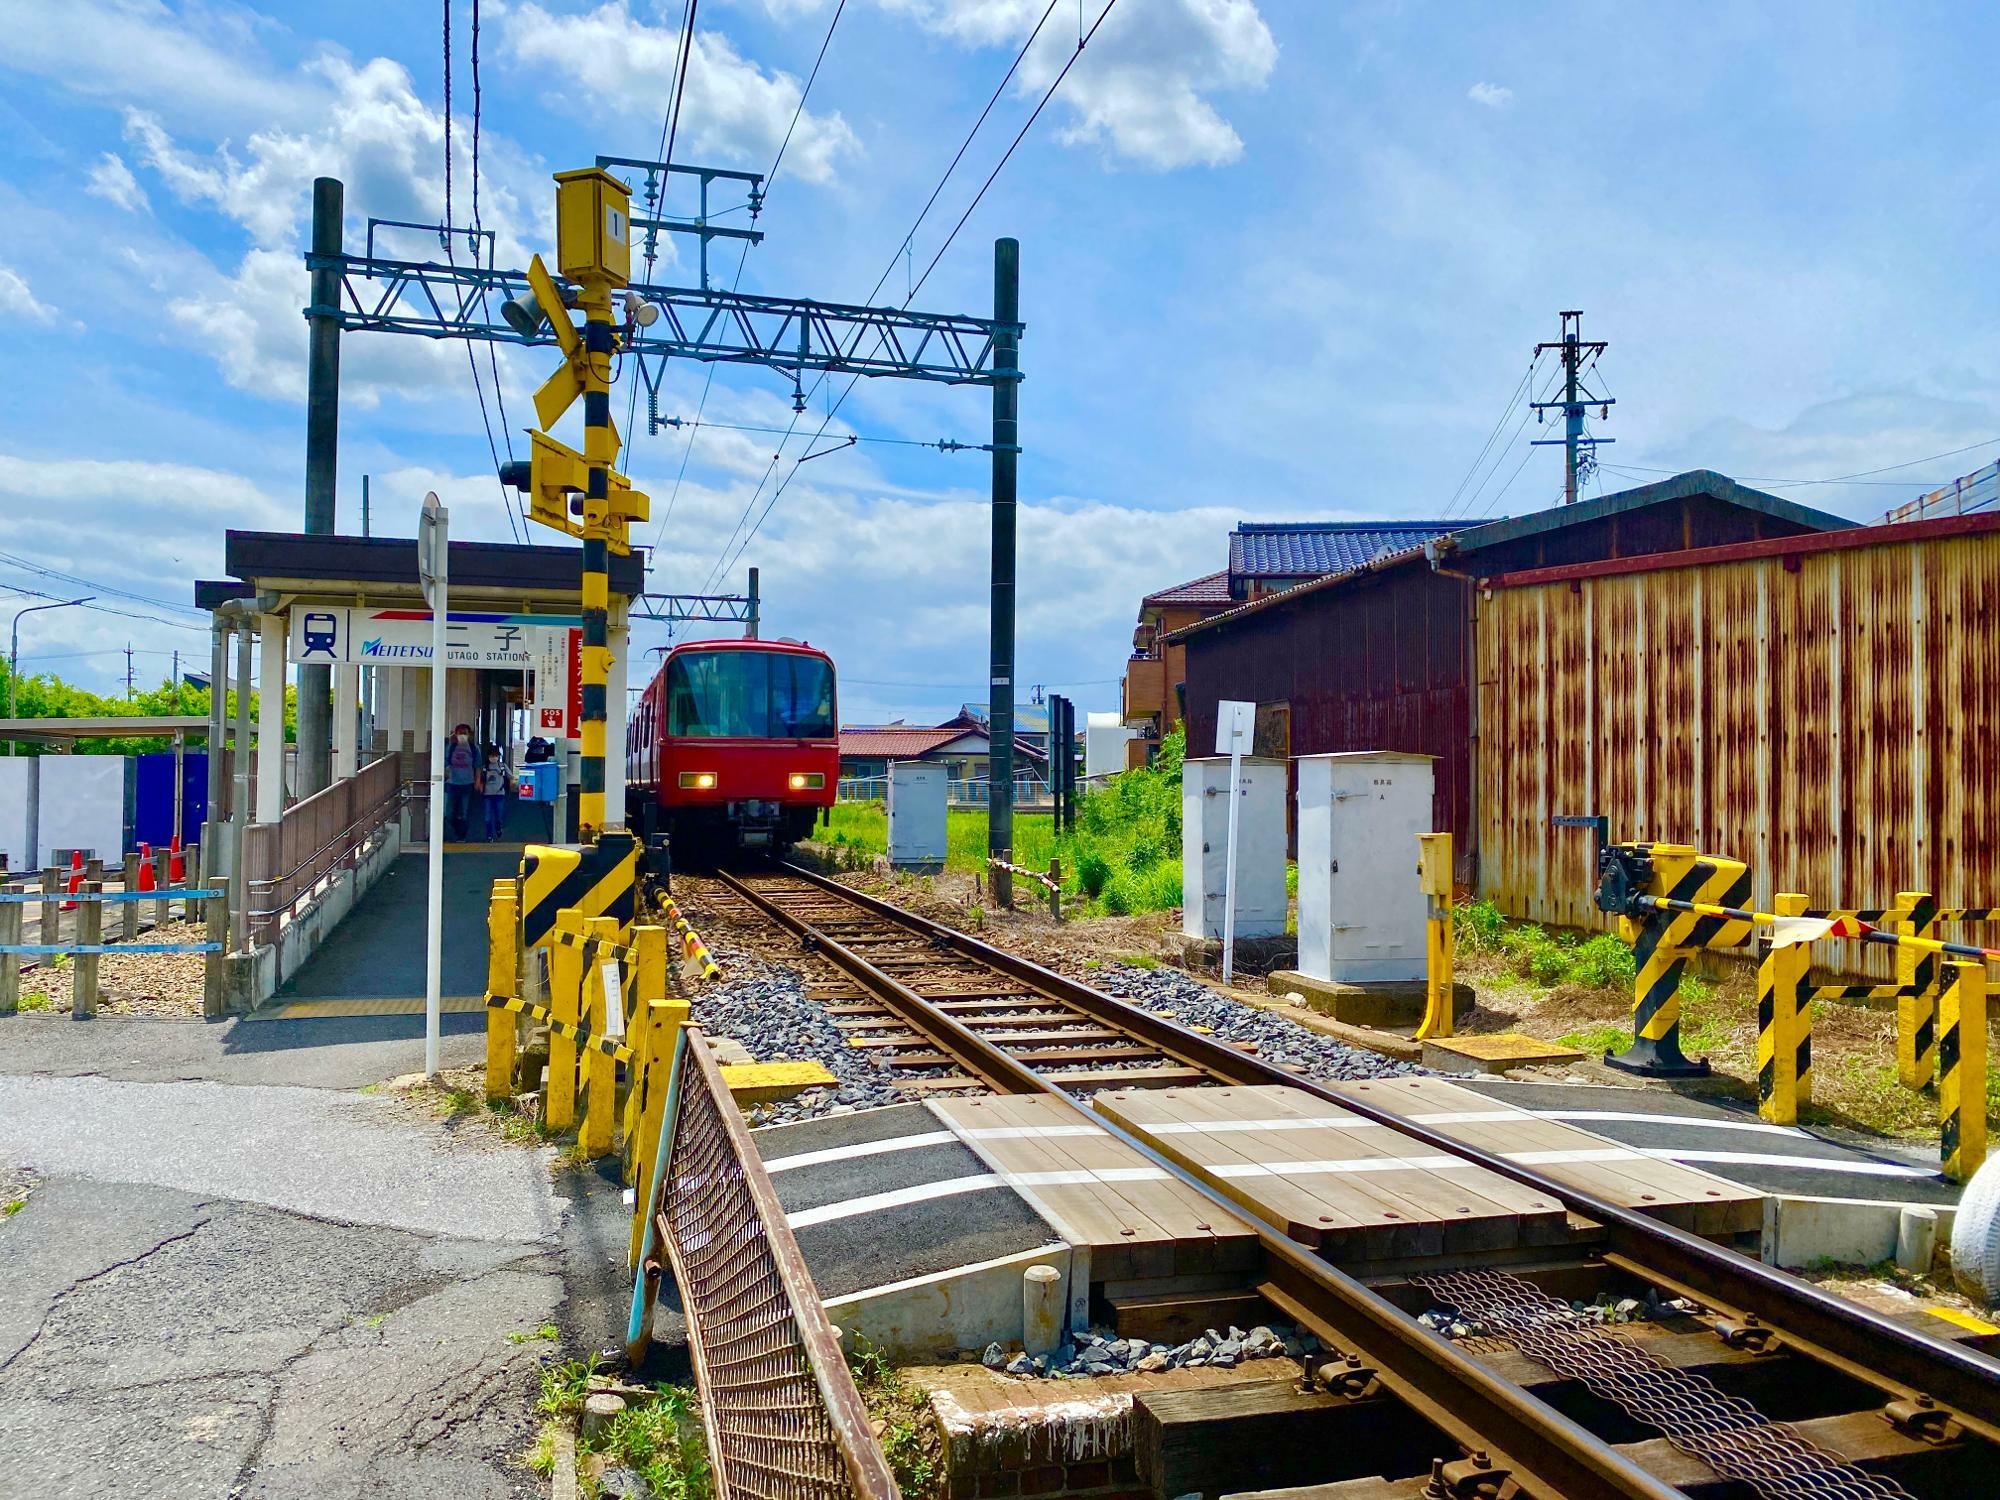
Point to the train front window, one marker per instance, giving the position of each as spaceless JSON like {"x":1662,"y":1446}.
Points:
{"x":749,"y":695}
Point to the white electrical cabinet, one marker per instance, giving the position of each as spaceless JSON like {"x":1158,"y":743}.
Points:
{"x":1260,"y":847}
{"x":917,"y":796}
{"x":1361,"y":905}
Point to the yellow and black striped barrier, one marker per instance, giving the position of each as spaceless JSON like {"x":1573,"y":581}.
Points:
{"x":691,"y":943}
{"x":568,"y":1030}
{"x":1961,"y":1060}
{"x":1784,"y":1024}
{"x":1662,"y":935}
{"x":599,"y":880}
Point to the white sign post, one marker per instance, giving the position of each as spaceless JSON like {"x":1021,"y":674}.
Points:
{"x":1235,"y":722}
{"x":433,"y":529}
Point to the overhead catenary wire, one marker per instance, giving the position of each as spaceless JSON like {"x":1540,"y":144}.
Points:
{"x":963,"y":218}
{"x":1506,"y":410}
{"x":1547,"y":386}
{"x":1859,"y":477}
{"x":722,"y":557}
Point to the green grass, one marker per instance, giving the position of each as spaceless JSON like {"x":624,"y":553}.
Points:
{"x":1124,"y":856}
{"x":661,"y":1440}
{"x":547,"y":1331}
{"x":39,"y":1000}
{"x":1533,"y":953}
{"x":564,"y":1384}
{"x":910,"y":1439}
{"x":13,"y":1206}
{"x":1599,"y":1039}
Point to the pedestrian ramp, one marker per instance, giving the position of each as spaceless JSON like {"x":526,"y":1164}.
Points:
{"x":919,"y":1222}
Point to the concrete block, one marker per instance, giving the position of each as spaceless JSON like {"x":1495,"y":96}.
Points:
{"x":1397,"y":1003}
{"x":763,"y":1083}
{"x":1916,"y":1238}
{"x":1496,"y":1053}
{"x":966,"y":1307}
{"x":1799,"y":1231}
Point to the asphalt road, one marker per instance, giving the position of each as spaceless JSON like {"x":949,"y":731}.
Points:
{"x":226,"y":1285}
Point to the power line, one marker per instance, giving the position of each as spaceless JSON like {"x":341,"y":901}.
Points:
{"x":1506,"y":410}
{"x":800,"y":108}
{"x":91,"y":583}
{"x":1857,"y":477}
{"x":1547,"y":386}
{"x":1019,"y":136}
{"x":723,"y":559}
{"x":105,"y":609}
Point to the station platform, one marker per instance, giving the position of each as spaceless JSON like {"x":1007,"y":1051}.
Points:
{"x":373,"y":963}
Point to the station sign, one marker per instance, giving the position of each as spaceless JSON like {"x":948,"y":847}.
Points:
{"x":341,"y":635}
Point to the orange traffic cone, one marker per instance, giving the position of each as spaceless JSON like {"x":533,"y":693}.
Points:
{"x":177,"y":870}
{"x":146,"y":880}
{"x":75,"y":882}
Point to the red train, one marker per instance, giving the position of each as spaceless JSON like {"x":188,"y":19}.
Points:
{"x":735,"y":745}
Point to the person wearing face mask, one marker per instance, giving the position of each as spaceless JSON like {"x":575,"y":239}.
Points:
{"x":461,"y":775}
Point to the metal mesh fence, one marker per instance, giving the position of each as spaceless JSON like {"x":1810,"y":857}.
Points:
{"x":784,"y":1419}
{"x":1725,"y":1432}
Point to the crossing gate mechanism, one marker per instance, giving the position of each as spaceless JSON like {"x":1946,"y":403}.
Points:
{"x":1662,"y":940}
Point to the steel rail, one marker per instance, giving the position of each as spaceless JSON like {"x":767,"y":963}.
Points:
{"x":1898,"y":1361}
{"x":1547,"y":1453}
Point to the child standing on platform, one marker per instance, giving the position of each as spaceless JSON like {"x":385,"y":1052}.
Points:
{"x":493,"y":787}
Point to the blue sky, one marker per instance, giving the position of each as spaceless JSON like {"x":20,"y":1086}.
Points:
{"x":1279,"y":261}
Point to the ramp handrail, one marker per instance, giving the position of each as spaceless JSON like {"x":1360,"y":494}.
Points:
{"x":783,"y":1417}
{"x":285,"y":861}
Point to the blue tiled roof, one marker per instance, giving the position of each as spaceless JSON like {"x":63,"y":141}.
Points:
{"x":1279,"y":549}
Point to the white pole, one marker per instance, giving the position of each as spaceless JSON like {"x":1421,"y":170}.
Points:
{"x":1229,"y":863}
{"x":434,"y":929}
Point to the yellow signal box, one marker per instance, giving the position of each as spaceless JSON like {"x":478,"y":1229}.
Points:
{"x":593,"y":226}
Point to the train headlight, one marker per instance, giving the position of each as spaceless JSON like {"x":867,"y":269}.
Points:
{"x":697,"y":781}
{"x":808,"y":781}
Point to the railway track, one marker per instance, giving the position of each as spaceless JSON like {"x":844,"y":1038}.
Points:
{"x":1776,"y":1388}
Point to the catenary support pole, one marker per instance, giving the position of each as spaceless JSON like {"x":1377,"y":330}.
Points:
{"x":750,"y":613}
{"x":322,"y":443}
{"x":1006,"y":455}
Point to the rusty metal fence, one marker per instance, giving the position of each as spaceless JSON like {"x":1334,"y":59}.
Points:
{"x":783,"y":1417}
{"x":284,"y":862}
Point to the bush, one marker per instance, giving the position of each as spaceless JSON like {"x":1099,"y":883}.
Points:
{"x":1477,"y":925}
{"x":1604,"y":963}
{"x":1093,"y":872}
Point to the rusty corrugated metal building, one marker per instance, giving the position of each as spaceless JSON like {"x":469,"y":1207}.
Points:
{"x":1821,"y":707}
{"x":1382,"y":655}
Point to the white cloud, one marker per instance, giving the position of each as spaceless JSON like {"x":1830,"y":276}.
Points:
{"x":111,"y":180}
{"x":1141,"y":88}
{"x":387,"y":146}
{"x":733,"y":112}
{"x":18,"y":298}
{"x":201,"y":60}
{"x":1492,"y":95}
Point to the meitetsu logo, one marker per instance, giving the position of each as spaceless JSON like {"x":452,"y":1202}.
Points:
{"x":376,"y":648}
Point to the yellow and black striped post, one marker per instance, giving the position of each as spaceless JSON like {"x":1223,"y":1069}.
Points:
{"x":1661,"y":942}
{"x":565,"y":1007}
{"x":1961,"y":1058}
{"x":1917,"y":981}
{"x":502,"y":1026}
{"x":1784,"y":1025}
{"x":600,"y":452}
{"x":602,"y":1000}
{"x":599,"y":880}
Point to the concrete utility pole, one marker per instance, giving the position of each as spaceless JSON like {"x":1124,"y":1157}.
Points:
{"x":1577,"y":459}
{"x":322,"y":443}
{"x":1006,"y":456}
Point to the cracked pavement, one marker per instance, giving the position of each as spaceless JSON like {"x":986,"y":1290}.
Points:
{"x":251,"y":1288}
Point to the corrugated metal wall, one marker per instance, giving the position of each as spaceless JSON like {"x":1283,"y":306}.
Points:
{"x":1378,"y":664}
{"x":1832,"y":718}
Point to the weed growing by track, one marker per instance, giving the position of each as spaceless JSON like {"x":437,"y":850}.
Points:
{"x":658,"y":1436}
{"x":902,"y":1417}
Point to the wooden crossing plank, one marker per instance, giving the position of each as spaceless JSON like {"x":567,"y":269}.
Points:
{"x":1348,"y":1188}
{"x":1680,"y":1195}
{"x":1138,"y":1220}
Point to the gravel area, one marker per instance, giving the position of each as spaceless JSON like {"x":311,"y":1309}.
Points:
{"x":129,"y":984}
{"x":763,"y":1005}
{"x":1097,"y":1352}
{"x":1179,"y":996}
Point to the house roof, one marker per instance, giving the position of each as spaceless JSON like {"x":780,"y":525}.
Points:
{"x":1680,"y":487}
{"x":1463,"y":542}
{"x":1210,"y":588}
{"x":897,"y":743}
{"x":1029,"y":718}
{"x":1287,"y":549}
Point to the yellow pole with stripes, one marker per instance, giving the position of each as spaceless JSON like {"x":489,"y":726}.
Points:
{"x":502,"y":1026}
{"x":1781,"y":972}
{"x":1917,"y":977}
{"x":600,"y":1073}
{"x":565,"y":1004}
{"x":1962,"y":1070}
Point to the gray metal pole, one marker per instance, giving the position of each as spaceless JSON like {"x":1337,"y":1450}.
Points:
{"x":218,"y":678}
{"x":322,"y":443}
{"x":1006,"y":453}
{"x":750,"y":623}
